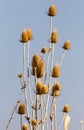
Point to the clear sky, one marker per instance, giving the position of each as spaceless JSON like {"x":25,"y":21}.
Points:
{"x":15,"y":15}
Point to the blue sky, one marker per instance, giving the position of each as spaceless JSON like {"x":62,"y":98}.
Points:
{"x":69,"y":22}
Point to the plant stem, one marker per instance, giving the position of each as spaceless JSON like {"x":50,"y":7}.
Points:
{"x":62,"y":58}
{"x":21,"y":121}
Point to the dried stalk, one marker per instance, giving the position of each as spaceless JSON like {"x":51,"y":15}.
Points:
{"x":24,"y":79}
{"x":11,"y":117}
{"x":62,"y":121}
{"x":62,"y":58}
{"x":21,"y":121}
{"x":28,"y":57}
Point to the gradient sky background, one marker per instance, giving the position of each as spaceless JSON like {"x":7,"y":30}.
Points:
{"x":15,"y":15}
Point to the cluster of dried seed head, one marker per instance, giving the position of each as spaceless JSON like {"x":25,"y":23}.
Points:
{"x":56,"y":89}
{"x":41,"y":88}
{"x":52,"y":10}
{"x":37,"y":66}
{"x":54,"y":37}
{"x":67,"y":45}
{"x":26,"y":35}
{"x":25,"y":126}
{"x":56,"y":71}
{"x":34,"y":122}
{"x":21,"y":109}
{"x":66,"y":108}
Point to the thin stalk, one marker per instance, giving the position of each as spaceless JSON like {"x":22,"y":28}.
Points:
{"x":55,"y":113}
{"x":24,"y":78}
{"x":51,"y":125}
{"x":21,"y":121}
{"x":50,"y":27}
{"x":52,"y":58}
{"x":12,"y":114}
{"x":26,"y":102}
{"x":41,"y":110}
{"x":28,"y":56}
{"x":47,"y":69}
{"x":62,"y":121}
{"x":24,"y":64}
{"x":62,"y":58}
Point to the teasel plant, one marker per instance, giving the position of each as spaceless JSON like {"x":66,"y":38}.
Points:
{"x":39,"y":105}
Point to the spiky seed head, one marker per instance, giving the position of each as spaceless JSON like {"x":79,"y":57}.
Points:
{"x":67,"y":45}
{"x":29,"y":34}
{"x":24,"y":36}
{"x":20,"y":76}
{"x":25,"y":126}
{"x":40,"y":69}
{"x":34,"y":122}
{"x":66,"y":108}
{"x":52,"y":10}
{"x":55,"y":93}
{"x":39,"y":87}
{"x":43,"y":50}
{"x":44,"y":89}
{"x":21,"y":109}
{"x":56,"y":86}
{"x":54,"y":37}
{"x":35,"y":60}
{"x":56,"y":71}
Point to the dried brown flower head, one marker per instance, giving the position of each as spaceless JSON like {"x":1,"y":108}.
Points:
{"x":66,"y":108}
{"x":40,"y":69}
{"x":67,"y":45}
{"x":39,"y":87}
{"x":54,"y":37}
{"x":29,"y":34}
{"x":56,"y":89}
{"x":24,"y":36}
{"x":56,"y":71}
{"x":35,"y":61}
{"x":43,"y":50}
{"x":25,"y":126}
{"x":55,"y":93}
{"x":21,"y":109}
{"x":56,"y":86}
{"x":44,"y":89}
{"x":34,"y":122}
{"x":52,"y":10}
{"x":20,"y":75}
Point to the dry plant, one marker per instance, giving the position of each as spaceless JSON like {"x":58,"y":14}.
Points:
{"x":39,"y":107}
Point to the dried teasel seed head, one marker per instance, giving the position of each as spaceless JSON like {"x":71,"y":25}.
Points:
{"x":40,"y":69}
{"x":29,"y":34}
{"x":43,"y":50}
{"x":54,"y":37}
{"x":39,"y":88}
{"x":24,"y":36}
{"x":20,"y":76}
{"x":34,"y":122}
{"x":66,"y":108}
{"x":25,"y":126}
{"x":44,"y":89}
{"x":55,"y":93}
{"x":52,"y":10}
{"x":67,"y":45}
{"x":57,"y":86}
{"x":35,"y":61}
{"x":56,"y":71}
{"x":21,"y":109}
